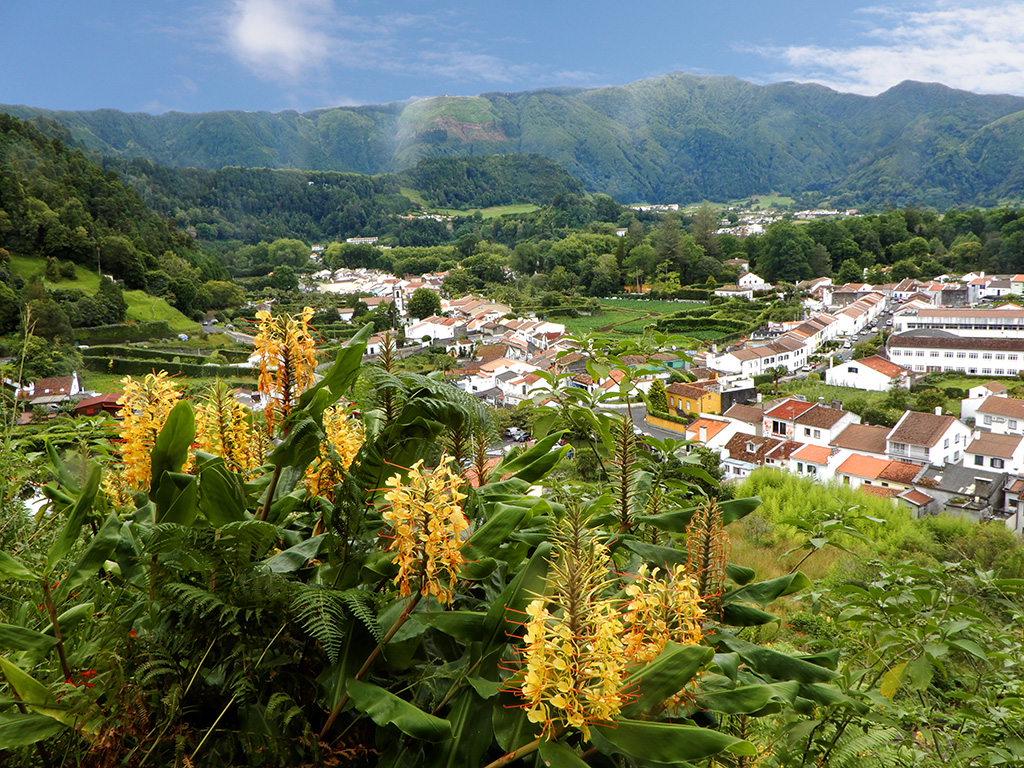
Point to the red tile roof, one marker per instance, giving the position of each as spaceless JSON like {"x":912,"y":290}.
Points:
{"x":816,"y":454}
{"x":883,"y":366}
{"x":713,"y":426}
{"x":867,"y":467}
{"x":789,"y":410}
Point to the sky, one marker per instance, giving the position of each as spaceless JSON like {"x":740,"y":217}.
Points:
{"x":204,"y":55}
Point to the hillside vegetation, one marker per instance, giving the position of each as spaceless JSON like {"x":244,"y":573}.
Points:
{"x":678,"y":138}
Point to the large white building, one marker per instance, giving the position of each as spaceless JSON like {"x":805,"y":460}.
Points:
{"x":927,"y":351}
{"x":874,"y":373}
{"x":1004,"y":322}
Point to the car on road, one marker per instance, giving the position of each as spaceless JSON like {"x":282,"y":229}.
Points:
{"x":517,"y":434}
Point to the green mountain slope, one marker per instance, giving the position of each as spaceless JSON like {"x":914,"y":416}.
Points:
{"x":678,"y":137}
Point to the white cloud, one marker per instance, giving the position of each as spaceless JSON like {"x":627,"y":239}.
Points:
{"x":974,"y":47}
{"x":280,"y":39}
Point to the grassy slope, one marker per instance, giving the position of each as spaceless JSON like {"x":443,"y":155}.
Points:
{"x":142,"y":307}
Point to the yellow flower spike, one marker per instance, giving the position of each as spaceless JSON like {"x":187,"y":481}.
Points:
{"x":224,"y":427}
{"x":287,"y":353}
{"x":145,"y":405}
{"x":428,"y":528}
{"x":345,"y":436}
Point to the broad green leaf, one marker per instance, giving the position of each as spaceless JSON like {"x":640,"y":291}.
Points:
{"x":296,"y":557}
{"x":12,"y":568}
{"x":76,"y":517}
{"x":920,"y":672}
{"x":384,"y":708}
{"x":485,"y":689}
{"x":774,"y":664}
{"x":22,"y":639}
{"x":462,"y":625}
{"x":748,"y":699}
{"x":33,"y":694}
{"x":492,"y":534}
{"x":664,"y":677}
{"x":17,"y":730}
{"x":764,"y":592}
{"x":654,"y":554}
{"x":666,"y":742}
{"x":739,"y":573}
{"x":176,"y":498}
{"x":302,"y":444}
{"x":523,"y":462}
{"x":99,"y":550}
{"x":170,"y":450}
{"x":342,"y":374}
{"x":511,"y":728}
{"x":508,"y":611}
{"x":971,"y":647}
{"x":555,"y":754}
{"x":221,"y":494}
{"x":892,"y":680}
{"x":677,"y":521}
{"x":71,"y":618}
{"x":736,"y":615}
{"x":471,"y":733}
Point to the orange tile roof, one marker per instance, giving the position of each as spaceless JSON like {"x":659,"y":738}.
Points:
{"x":867,"y":467}
{"x":816,"y":454}
{"x":789,"y":410}
{"x":713,"y":426}
{"x":883,"y":366}
{"x":877,"y":490}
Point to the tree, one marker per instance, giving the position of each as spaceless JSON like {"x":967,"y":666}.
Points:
{"x":424,"y":303}
{"x":223,"y":295}
{"x":849,"y":272}
{"x":776,"y":372}
{"x":785,"y":253}
{"x":284,"y":279}
{"x":656,"y":399}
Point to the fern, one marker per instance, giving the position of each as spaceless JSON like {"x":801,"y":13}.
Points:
{"x":321,"y":612}
{"x":201,"y":604}
{"x":872,"y":747}
{"x":360,"y":605}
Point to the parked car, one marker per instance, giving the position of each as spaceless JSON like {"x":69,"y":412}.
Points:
{"x":517,"y":434}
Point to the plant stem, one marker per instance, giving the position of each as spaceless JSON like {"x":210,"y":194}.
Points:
{"x":369,"y":661}
{"x":270,"y":492}
{"x":50,"y":609}
{"x":511,"y":757}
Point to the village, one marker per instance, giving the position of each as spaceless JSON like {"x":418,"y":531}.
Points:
{"x":930,"y":462}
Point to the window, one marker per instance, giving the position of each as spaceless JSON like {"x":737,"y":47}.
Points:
{"x":979,"y":461}
{"x":986,"y":356}
{"x":1012,"y":424}
{"x":812,"y":470}
{"x":852,"y":369}
{"x":807,"y":431}
{"x":945,"y":443}
{"x":779,"y":427}
{"x":817,"y":433}
{"x":996,"y":463}
{"x":899,"y":447}
{"x":988,"y":419}
{"x":799,"y":466}
{"x":962,"y":354}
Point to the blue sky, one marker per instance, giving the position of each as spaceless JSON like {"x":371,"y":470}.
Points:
{"x":160,"y":55}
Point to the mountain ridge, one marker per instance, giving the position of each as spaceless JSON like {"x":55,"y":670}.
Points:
{"x":677,"y":137}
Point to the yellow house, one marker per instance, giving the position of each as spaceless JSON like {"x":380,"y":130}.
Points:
{"x":688,"y":398}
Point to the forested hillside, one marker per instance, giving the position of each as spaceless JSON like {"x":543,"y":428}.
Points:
{"x":674,"y":138}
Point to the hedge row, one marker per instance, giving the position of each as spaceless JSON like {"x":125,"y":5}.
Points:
{"x":682,"y":324}
{"x":123,"y":367}
{"x":140,"y":353}
{"x":122,"y":333}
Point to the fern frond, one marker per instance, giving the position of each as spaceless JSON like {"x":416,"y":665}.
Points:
{"x":321,"y":612}
{"x":360,"y":604}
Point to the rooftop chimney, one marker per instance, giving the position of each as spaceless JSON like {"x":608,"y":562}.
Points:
{"x":702,"y":434}
{"x":836,"y":405}
{"x":938,"y":410}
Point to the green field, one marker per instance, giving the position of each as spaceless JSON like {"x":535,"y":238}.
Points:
{"x":142,"y":307}
{"x":813,"y":390}
{"x":624,"y":316}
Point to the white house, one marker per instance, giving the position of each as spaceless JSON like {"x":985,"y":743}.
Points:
{"x":1000,"y":415}
{"x":434,"y":327}
{"x":871,"y":373}
{"x":753,"y":282}
{"x":927,"y":438}
{"x":1003,"y":453}
{"x":978,"y":395}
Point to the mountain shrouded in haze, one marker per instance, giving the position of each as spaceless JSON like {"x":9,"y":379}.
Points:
{"x":675,"y":138}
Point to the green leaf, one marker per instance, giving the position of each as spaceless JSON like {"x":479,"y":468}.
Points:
{"x":492,"y":534}
{"x":764,"y":592}
{"x":384,"y":708}
{"x":76,"y":517}
{"x":739,"y":573}
{"x":749,"y":698}
{"x":774,"y":664}
{"x":485,"y":689}
{"x":341,"y":375}
{"x":462,"y":625}
{"x":666,"y":742}
{"x":33,"y":694}
{"x":302,"y":444}
{"x":176,"y":499}
{"x":555,"y":754}
{"x":22,"y":639}
{"x":296,"y":557}
{"x":664,"y":677}
{"x":471,"y":733}
{"x":170,"y":450}
{"x":221,"y":494}
{"x":17,"y":730}
{"x":920,"y":672}
{"x":971,"y":647}
{"x":654,"y":554}
{"x":735,"y":615}
{"x":12,"y":568}
{"x":507,"y":612}
{"x":95,"y":555}
{"x":523,"y":463}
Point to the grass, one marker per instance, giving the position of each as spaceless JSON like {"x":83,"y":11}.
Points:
{"x":142,"y":307}
{"x":487,"y":213}
{"x":813,"y":390}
